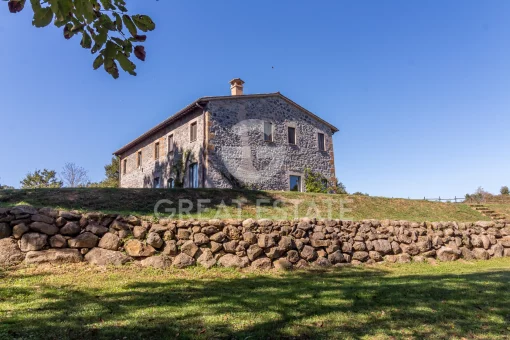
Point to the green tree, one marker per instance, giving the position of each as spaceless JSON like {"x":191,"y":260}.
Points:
{"x":504,"y":190}
{"x":41,"y":179}
{"x":104,"y":26}
{"x":4,"y":187}
{"x":315,"y":182}
{"x":111,"y":171}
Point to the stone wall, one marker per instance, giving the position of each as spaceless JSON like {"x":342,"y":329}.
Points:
{"x":163,"y":167}
{"x":236,"y":123}
{"x":35,"y":236}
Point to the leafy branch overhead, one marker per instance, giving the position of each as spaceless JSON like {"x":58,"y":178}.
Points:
{"x":104,"y":26}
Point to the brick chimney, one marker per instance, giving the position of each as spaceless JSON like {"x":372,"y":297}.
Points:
{"x":236,"y":87}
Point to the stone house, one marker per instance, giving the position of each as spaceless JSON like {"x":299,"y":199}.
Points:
{"x":260,"y":141}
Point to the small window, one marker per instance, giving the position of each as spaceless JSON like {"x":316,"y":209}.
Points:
{"x":295,"y":183}
{"x":193,"y":176}
{"x":156,"y":151}
{"x":156,"y":182}
{"x":124,"y":167}
{"x":193,"y":132}
{"x":322,"y":144}
{"x":170,"y":184}
{"x":268,"y":131}
{"x":170,"y":143}
{"x":139,"y":159}
{"x":292,"y":135}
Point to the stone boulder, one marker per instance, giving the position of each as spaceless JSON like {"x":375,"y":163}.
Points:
{"x":105,"y":257}
{"x":159,"y":262}
{"x":322,"y":262}
{"x":480,"y":254}
{"x":109,"y":241}
{"x":44,"y":228}
{"x":136,"y":248}
{"x":207,"y":259}
{"x":308,"y":253}
{"x":33,"y":241}
{"x":96,"y":229}
{"x":19,"y":229}
{"x":233,"y":261}
{"x":360,"y":256}
{"x":24,"y":209}
{"x":183,"y":260}
{"x":58,"y":241}
{"x":56,"y":256}
{"x":200,"y":239}
{"x":85,"y":240}
{"x":262,"y":264}
{"x":253,"y":252}
{"x":10,"y":253}
{"x":69,"y":215}
{"x":5,"y":230}
{"x":189,"y":248}
{"x":42,"y":218}
{"x":139,"y":232}
{"x":447,"y":254}
{"x":154,"y":240}
{"x":70,"y":229}
{"x":283,"y":264}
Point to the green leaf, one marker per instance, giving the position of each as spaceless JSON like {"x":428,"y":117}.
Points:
{"x":126,"y":64}
{"x":88,"y":10}
{"x":95,"y":48}
{"x":98,"y":62}
{"x":86,"y":40}
{"x":118,"y":41}
{"x":111,"y":50}
{"x":128,"y":47}
{"x":118,"y":22}
{"x":129,"y":25}
{"x":42,"y":17}
{"x":144,"y":23}
{"x":101,"y":37}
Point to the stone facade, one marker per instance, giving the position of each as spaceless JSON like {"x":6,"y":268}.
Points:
{"x":103,"y":239}
{"x":230,"y":150}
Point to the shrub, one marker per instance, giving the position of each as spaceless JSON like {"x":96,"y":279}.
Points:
{"x":315,"y":182}
{"x":504,"y":190}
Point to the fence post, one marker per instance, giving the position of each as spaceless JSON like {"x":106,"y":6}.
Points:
{"x":455,"y":199}
{"x":439,"y":199}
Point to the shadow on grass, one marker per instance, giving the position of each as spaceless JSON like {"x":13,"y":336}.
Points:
{"x":350,"y":303}
{"x":138,"y":201}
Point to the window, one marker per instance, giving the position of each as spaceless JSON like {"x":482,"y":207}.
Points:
{"x":170,"y":184}
{"x":322,"y":144}
{"x":125,"y":166}
{"x":268,"y":131}
{"x":156,"y":151}
{"x":156,"y":182}
{"x":193,"y":132}
{"x":170,"y":143}
{"x":139,"y":160}
{"x":292,"y":135}
{"x":193,"y":176}
{"x":295,"y":183}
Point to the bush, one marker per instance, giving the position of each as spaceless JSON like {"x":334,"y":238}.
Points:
{"x":480,"y":195}
{"x":504,"y":190}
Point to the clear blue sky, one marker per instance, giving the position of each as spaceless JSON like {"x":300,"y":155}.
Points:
{"x":420,"y":90}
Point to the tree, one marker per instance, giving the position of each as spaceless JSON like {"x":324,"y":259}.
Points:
{"x":4,"y":187}
{"x":340,"y":188}
{"x":41,"y":179}
{"x":102,"y":25}
{"x":74,"y":176}
{"x":504,"y":190}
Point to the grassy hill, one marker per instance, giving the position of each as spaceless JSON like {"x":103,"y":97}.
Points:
{"x":223,"y":204}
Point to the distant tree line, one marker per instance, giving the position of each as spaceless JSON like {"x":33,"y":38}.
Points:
{"x":71,"y":176}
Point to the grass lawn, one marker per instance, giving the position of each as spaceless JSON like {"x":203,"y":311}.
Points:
{"x":501,"y":208}
{"x":413,"y":301}
{"x":222,"y":204}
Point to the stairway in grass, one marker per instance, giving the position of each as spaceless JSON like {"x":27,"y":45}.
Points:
{"x":486,"y":211}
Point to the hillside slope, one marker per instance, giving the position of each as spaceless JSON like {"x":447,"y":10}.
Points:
{"x":224,"y":203}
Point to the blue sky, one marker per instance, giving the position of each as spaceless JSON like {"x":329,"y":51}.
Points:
{"x":419,"y":90}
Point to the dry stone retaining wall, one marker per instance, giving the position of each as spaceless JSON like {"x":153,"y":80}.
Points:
{"x":36,"y":236}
